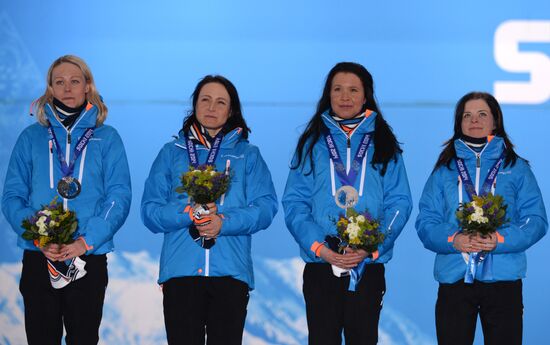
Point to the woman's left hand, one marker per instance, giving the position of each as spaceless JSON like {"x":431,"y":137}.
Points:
{"x":358,"y":254}
{"x":212,"y":229}
{"x":487,"y":243}
{"x":73,"y":250}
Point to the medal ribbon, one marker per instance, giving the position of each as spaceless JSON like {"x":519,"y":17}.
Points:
{"x":467,"y":180}
{"x":347,"y":179}
{"x":475,"y":259}
{"x":68,"y":169}
{"x":355,"y":275}
{"x":212,"y":154}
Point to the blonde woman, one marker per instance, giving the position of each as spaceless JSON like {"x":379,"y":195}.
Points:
{"x":71,"y":154}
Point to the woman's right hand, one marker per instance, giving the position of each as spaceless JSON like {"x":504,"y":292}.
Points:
{"x":346,"y":261}
{"x":212,"y":208}
{"x":51,"y":251}
{"x":465,"y":244}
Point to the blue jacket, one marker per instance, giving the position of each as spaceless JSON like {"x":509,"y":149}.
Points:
{"x":249,"y":206}
{"x":308,"y":201}
{"x":34,"y":170}
{"x":437,"y":224}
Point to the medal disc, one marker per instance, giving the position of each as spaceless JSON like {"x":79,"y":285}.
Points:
{"x":346,"y":197}
{"x":68,"y":187}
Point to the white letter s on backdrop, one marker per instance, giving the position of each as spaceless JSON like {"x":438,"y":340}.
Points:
{"x":508,"y":36}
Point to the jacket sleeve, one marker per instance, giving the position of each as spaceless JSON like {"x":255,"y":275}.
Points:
{"x":397,"y":203}
{"x":17,"y":186}
{"x":118,"y":195}
{"x":260,"y":198}
{"x":531,"y":223}
{"x":160,"y":211}
{"x":435,"y":233}
{"x":298,"y":207}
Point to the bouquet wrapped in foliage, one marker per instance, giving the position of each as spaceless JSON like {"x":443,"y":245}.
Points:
{"x":204,"y":184}
{"x":483,"y":215}
{"x":54,"y":225}
{"x":51,"y":224}
{"x":359,"y":231}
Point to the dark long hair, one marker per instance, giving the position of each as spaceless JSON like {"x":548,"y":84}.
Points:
{"x":448,"y":154}
{"x":235,"y":119}
{"x":386,"y":146}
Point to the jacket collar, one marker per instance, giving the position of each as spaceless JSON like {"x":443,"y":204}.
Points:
{"x":367,"y":125}
{"x":229,"y":141}
{"x":493,"y":149}
{"x":87,"y":119}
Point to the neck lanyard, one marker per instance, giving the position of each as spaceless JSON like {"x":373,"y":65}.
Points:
{"x":68,"y":169}
{"x":212,"y":154}
{"x":489,"y":180}
{"x":345,"y":178}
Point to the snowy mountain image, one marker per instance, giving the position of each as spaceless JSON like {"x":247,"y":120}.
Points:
{"x":133,"y":306}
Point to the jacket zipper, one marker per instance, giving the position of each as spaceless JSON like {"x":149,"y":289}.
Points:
{"x":478,"y":163}
{"x":207,"y":262}
{"x":478,"y":170}
{"x":109,"y":210}
{"x":50,"y":144}
{"x":348,"y":163}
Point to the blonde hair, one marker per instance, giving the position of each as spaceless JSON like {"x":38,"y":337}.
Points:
{"x":92,"y":95}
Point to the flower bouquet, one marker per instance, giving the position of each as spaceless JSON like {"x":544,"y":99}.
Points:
{"x":203,"y":185}
{"x":483,"y":215}
{"x":358,"y":231}
{"x":54,"y":225}
{"x":51,"y":224}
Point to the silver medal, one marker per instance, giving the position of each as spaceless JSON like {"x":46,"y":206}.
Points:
{"x":346,"y":197}
{"x":68,"y":187}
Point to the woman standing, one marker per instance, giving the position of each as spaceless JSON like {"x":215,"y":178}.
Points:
{"x":481,"y":150}
{"x":69,"y":153}
{"x":206,"y":265}
{"x":324,"y":177}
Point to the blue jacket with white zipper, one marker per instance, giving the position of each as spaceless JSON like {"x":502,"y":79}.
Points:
{"x":248,"y":207}
{"x":437,"y":224}
{"x":34,"y":171}
{"x":308,"y":200}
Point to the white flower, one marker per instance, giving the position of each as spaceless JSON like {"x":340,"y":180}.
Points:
{"x":212,"y":173}
{"x":360,"y":218}
{"x":46,"y":212}
{"x":477,"y":216}
{"x":353,"y":230}
{"x":41,"y":226}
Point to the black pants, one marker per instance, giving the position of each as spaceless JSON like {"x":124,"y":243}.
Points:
{"x":194,"y":306}
{"x":499,"y":306}
{"x":331,"y":308}
{"x":79,"y":305}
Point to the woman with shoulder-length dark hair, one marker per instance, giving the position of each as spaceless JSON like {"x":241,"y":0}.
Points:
{"x":71,"y":155}
{"x":480,"y":159}
{"x":206,"y":265}
{"x":321,"y":182}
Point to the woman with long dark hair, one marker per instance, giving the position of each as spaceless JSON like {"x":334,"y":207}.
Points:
{"x":206,"y":265}
{"x":480,"y":159}
{"x":334,"y":164}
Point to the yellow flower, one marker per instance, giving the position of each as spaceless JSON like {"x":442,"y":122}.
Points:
{"x":43,"y":240}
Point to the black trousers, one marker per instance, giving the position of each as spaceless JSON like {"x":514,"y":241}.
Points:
{"x":195,"y":306}
{"x":499,"y":305}
{"x":78,"y":306}
{"x":331,"y":308}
